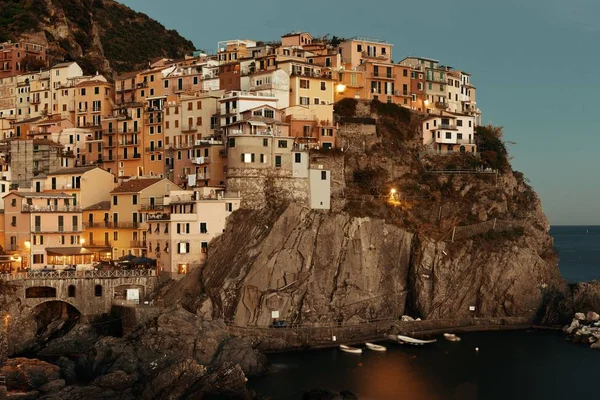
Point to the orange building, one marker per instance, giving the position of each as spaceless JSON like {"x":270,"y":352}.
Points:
{"x":13,"y":56}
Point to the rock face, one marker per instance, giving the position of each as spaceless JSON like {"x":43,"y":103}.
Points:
{"x":29,"y":374}
{"x":585,"y":329}
{"x":310,"y":268}
{"x":315,"y":268}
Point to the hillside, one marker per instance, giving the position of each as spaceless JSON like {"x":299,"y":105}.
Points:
{"x":101,"y":35}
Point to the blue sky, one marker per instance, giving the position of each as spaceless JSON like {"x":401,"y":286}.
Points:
{"x":535,"y":64}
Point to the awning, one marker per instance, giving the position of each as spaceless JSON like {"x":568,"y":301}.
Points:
{"x":68,"y":251}
{"x":257,"y":123}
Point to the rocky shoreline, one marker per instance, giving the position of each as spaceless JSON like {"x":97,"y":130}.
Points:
{"x":585,"y":329}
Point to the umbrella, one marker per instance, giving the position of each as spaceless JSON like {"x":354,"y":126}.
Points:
{"x":143,"y":260}
{"x":128,"y":257}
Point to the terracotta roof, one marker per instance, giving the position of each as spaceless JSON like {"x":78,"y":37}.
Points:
{"x":92,"y":83}
{"x":103,"y":205}
{"x":73,"y":171}
{"x":136,"y":185}
{"x":46,"y":141}
{"x":36,"y":195}
{"x":128,"y":75}
{"x":65,"y":64}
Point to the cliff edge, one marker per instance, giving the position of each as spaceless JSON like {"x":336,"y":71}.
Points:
{"x":431,"y":236}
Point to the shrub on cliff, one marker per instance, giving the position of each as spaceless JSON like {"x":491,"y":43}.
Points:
{"x":345,"y":108}
{"x":491,"y":147}
{"x":371,"y":180}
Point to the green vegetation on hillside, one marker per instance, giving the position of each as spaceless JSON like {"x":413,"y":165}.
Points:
{"x":129,"y":39}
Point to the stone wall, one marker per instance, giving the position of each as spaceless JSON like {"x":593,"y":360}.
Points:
{"x":259,"y":187}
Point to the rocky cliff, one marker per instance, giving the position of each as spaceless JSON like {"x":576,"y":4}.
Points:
{"x":101,"y":35}
{"x":442,"y":245}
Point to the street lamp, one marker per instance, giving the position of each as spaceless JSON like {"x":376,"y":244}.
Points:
{"x":340,"y":88}
{"x":82,"y":241}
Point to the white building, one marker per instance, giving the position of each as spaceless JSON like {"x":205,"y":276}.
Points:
{"x":233,"y":103}
{"x":450,"y":133}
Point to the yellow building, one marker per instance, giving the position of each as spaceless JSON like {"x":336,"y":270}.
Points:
{"x":44,"y":229}
{"x":131,"y":203}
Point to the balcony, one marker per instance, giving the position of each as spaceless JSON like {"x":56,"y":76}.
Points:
{"x":182,"y":199}
{"x":50,"y":208}
{"x":141,"y":85}
{"x":136,"y":244}
{"x":189,"y":129}
{"x":90,"y":138}
{"x":447,"y":126}
{"x":154,"y":149}
{"x":365,"y":54}
{"x":109,"y":145}
{"x":401,"y":93}
{"x":109,"y":132}
{"x":133,"y":130}
{"x":201,"y":160}
{"x":181,"y":89}
{"x":97,"y":244}
{"x":384,"y":76}
{"x":34,"y":100}
{"x":125,"y":143}
{"x":153,"y":121}
{"x":113,"y":225}
{"x":159,"y":217}
{"x":147,"y":206}
{"x":441,"y":104}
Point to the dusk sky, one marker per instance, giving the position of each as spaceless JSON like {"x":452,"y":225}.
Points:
{"x":535,"y":64}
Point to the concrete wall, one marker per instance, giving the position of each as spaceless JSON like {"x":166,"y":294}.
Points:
{"x":320,"y":189}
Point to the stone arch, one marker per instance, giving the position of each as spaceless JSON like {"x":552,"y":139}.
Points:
{"x":51,"y":300}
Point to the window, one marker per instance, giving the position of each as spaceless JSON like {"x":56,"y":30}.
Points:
{"x":134,"y":199}
{"x":441,"y":88}
{"x":404,"y":72}
{"x":232,"y":142}
{"x":183,"y":248}
{"x":323,"y":175}
{"x":323,"y":86}
{"x":269,"y":114}
{"x":316,"y":100}
{"x":14,"y":221}
{"x":262,"y":158}
{"x":304,"y":101}
{"x":459,"y":136}
{"x":277,"y":161}
{"x":298,"y":158}
{"x":115,"y":202}
{"x":13,"y":202}
{"x":265,"y":142}
{"x":71,"y":291}
{"x":203,"y":228}
{"x":359,"y":48}
{"x":204,"y":247}
{"x":115,"y":236}
{"x":448,"y":135}
{"x":282,"y":144}
{"x":96,"y":90}
{"x":38,"y":258}
{"x":459,"y":122}
{"x":98,"y":290}
{"x":166,"y":84}
{"x":419,"y":85}
{"x":470,"y":124}
{"x":75,"y":223}
{"x":304,"y":84}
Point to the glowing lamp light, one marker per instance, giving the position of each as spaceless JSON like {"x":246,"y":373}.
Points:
{"x":393,"y":191}
{"x":340,"y":88}
{"x":82,"y":241}
{"x":27,"y":244}
{"x":426,"y":103}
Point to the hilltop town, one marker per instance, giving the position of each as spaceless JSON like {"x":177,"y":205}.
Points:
{"x":152,"y":164}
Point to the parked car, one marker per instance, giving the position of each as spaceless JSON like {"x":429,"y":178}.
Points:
{"x":279,"y":324}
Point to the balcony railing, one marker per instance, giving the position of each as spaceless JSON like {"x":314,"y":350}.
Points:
{"x":152,"y":206}
{"x":201,"y":160}
{"x":401,"y":93}
{"x":189,"y":129}
{"x":153,"y":149}
{"x":97,"y":244}
{"x":116,"y":273}
{"x":129,"y":130}
{"x":383,"y":76}
{"x":447,"y":126}
{"x":441,"y":104}
{"x":159,"y":217}
{"x":113,"y":225}
{"x":137,"y":244}
{"x":183,"y":88}
{"x":366,"y":54}
{"x":50,"y":208}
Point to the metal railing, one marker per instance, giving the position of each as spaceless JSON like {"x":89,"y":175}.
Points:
{"x":137,"y":244}
{"x":21,"y":276}
{"x":50,"y":208}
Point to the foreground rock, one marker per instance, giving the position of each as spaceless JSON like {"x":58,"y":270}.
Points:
{"x":177,"y":356}
{"x":318,"y":394}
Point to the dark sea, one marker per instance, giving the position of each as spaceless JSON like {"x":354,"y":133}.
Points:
{"x":508,"y":366}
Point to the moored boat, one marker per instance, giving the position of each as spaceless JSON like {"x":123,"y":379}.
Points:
{"x":413,"y":341}
{"x":375,"y":347}
{"x":451,"y":337}
{"x":348,"y":349}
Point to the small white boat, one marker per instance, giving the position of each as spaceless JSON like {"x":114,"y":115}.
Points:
{"x":413,"y":341}
{"x":348,"y":349}
{"x":375,"y":347}
{"x":451,"y":337}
